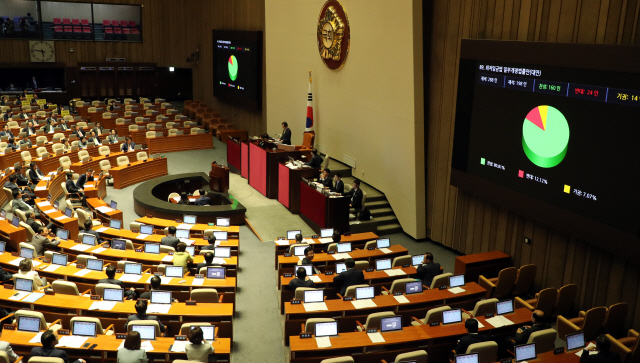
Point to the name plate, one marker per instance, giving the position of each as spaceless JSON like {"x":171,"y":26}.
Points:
{"x":434,"y":323}
{"x":14,"y":254}
{"x":170,"y":253}
{"x":138,"y":250}
{"x":181,"y":337}
{"x":296,"y":302}
{"x":315,"y":236}
{"x":331,"y":252}
{"x":78,"y":266}
{"x":406,"y":265}
{"x":442,"y":287}
{"x":287,"y":255}
{"x":288,"y":275}
{"x":281,"y":238}
{"x":372,"y":330}
{"x":347,"y":298}
{"x":46,"y":260}
{"x":190,"y":302}
{"x":397,"y":294}
{"x":506,"y":360}
{"x":369,"y":269}
{"x":7,"y":286}
{"x":9,"y":327}
{"x":371,"y":248}
{"x":159,"y":274}
{"x":49,"y":292}
{"x":347,"y":234}
{"x":488,"y":315}
{"x":121,"y":336}
{"x":118,"y":271}
{"x":64,"y":332}
{"x":327,"y":273}
{"x":305,"y":335}
{"x":558,"y":350}
{"x":199,"y":276}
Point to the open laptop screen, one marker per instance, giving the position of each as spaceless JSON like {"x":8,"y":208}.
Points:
{"x":575,"y":341}
{"x":133,"y":268}
{"x":191,"y":250}
{"x":504,"y":307}
{"x":94,"y":264}
{"x":111,"y":294}
{"x":189,"y":219}
{"x":223,"y":222}
{"x":68,"y":212}
{"x":84,"y":328}
{"x":208,"y":332}
{"x":292,"y":234}
{"x":467,"y":358}
{"x":115,"y":223}
{"x":146,"y":229}
{"x":328,"y":329}
{"x":383,"y":264}
{"x":147,"y":332}
{"x":417,"y":259}
{"x":451,"y":316}
{"x":326,"y":232}
{"x":24,"y":284}
{"x":27,"y":323}
{"x":313,"y":296}
{"x":2,"y":246}
{"x":413,"y":287}
{"x":62,"y":234}
{"x":215,"y":272}
{"x":161,"y":297}
{"x":59,"y":259}
{"x":525,"y":352}
{"x":15,"y":221}
{"x":220,"y":235}
{"x":174,"y":271}
{"x":341,"y":267}
{"x":222,"y":252}
{"x":383,"y":243}
{"x":365,"y":293}
{"x":89,"y":239}
{"x":151,"y":247}
{"x":26,"y":252}
{"x":299,"y":250}
{"x":344,"y":247}
{"x":391,"y":323}
{"x":456,"y":280}
{"x":119,"y":244}
{"x":182,"y":233}
{"x":113,"y":204}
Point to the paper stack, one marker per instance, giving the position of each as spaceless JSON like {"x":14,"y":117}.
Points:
{"x":82,"y":272}
{"x":323,"y":342}
{"x":385,"y":250}
{"x":71,"y":341}
{"x":102,"y":305}
{"x":158,"y":308}
{"x":315,"y":306}
{"x":363,"y":304}
{"x":315,"y":278}
{"x":197,"y":282}
{"x":456,"y":290}
{"x":401,"y":299}
{"x":80,"y":246}
{"x":325,"y":240}
{"x":341,"y":256}
{"x":395,"y":272}
{"x":218,"y":261}
{"x":376,"y":337}
{"x":498,"y":321}
{"x":102,"y":229}
{"x":129,"y":277}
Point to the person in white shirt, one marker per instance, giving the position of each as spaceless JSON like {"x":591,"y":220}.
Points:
{"x":27,"y":270}
{"x":197,"y":348}
{"x":6,"y":347}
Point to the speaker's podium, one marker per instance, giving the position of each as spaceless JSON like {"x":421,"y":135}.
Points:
{"x":219,"y":178}
{"x":320,"y":210}
{"x":290,"y":174}
{"x":264,"y":158}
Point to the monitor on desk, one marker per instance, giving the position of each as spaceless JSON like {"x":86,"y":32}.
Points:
{"x":133,"y":268}
{"x":215,"y":272}
{"x":313,"y":296}
{"x":89,"y":239}
{"x":299,"y":250}
{"x":28,"y":324}
{"x":113,"y":294}
{"x":62,"y":234}
{"x":161,"y":297}
{"x":504,"y":307}
{"x":220,"y":235}
{"x":95,"y":264}
{"x":208,"y":331}
{"x":15,"y":221}
{"x":383,"y":243}
{"x":115,"y":223}
{"x":84,"y":328}
{"x":326,"y":232}
{"x":222,"y":252}
{"x":451,"y":316}
{"x":292,"y":234}
{"x":383,"y":264}
{"x":24,"y":284}
{"x":340,"y":266}
{"x":68,"y":212}
{"x":146,"y":229}
{"x":182,"y":233}
{"x":456,"y":281}
{"x":467,"y":358}
{"x":189,"y":219}
{"x":365,"y":293}
{"x":113,"y":205}
{"x":26,"y":252}
{"x":119,"y":244}
{"x":2,"y":246}
{"x":56,"y":205}
{"x":525,"y":352}
{"x":152,"y":247}
{"x":191,"y":250}
{"x":308,"y":268}
{"x":147,"y":332}
{"x":223,"y":222}
{"x":328,"y":329}
{"x":413,"y":287}
{"x":344,"y":247}
{"x":392,"y":323}
{"x":174,"y":271}
{"x":59,"y":259}
{"x":575,"y":341}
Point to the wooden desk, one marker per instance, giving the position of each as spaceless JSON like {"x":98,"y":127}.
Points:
{"x":289,"y":185}
{"x":236,"y":134}
{"x":94,"y":203}
{"x":320,"y":211}
{"x":219,"y":178}
{"x":111,"y":233}
{"x":70,"y":224}
{"x":96,"y":188}
{"x":488,"y":264}
{"x":179,"y":143}
{"x":13,"y":235}
{"x":139,"y":171}
{"x":232,"y":231}
{"x":94,"y":162}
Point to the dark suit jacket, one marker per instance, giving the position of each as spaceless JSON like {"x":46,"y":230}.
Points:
{"x":170,"y":241}
{"x":339,"y":187}
{"x":49,"y":352}
{"x":349,"y":278}
{"x":8,"y":133}
{"x":48,"y":128}
{"x":96,"y":140}
{"x":79,"y":133}
{"x":427,"y":272}
{"x":26,"y":141}
{"x":523,"y":337}
{"x":111,"y":281}
{"x":203,"y":200}
{"x":10,"y":185}
{"x":328,"y":183}
{"x":82,"y":180}
{"x":23,"y":116}
{"x":286,"y":136}
{"x":204,"y":264}
{"x":91,"y":231}
{"x":34,"y":225}
{"x":22,"y":180}
{"x":125,"y":146}
{"x":315,"y":162}
{"x":469,"y":339}
{"x":296,"y":283}
{"x":601,"y":357}
{"x":72,"y":187}
{"x":356,"y":198}
{"x":34,"y":176}
{"x":64,"y":126}
{"x":144,"y":317}
{"x":209,"y":247}
{"x":26,"y":130}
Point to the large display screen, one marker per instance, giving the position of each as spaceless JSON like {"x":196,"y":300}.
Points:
{"x":237,"y":63}
{"x":565,"y":136}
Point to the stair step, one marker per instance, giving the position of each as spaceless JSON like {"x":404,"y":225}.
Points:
{"x":380,"y":212}
{"x":384,"y":220}
{"x":389,"y":229}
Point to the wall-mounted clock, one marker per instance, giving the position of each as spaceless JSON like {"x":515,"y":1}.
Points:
{"x":42,"y":51}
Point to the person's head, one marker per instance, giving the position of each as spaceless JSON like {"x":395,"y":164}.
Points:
{"x":350,"y":263}
{"x":64,"y":141}
{"x":471,"y":325}
{"x":18,"y":169}
{"x":314,"y":151}
{"x":5,"y":127}
{"x":127,"y":139}
{"x":301,"y":273}
{"x":15,"y":193}
{"x":285,"y":125}
{"x":44,"y":231}
{"x":113,"y":132}
{"x":30,"y":123}
{"x":77,"y":127}
{"x":13,"y":177}
{"x":111,"y":271}
{"x":155,"y":282}
{"x":89,"y":172}
{"x":33,"y":166}
{"x":69,"y":175}
{"x":83,"y":138}
{"x":308,"y":253}
{"x":28,"y":214}
{"x":212,"y":239}
{"x":172,"y":230}
{"x":537,"y":317}
{"x":195,"y":335}
{"x":336,"y":236}
{"x":298,"y":238}
{"x":202,"y":193}
{"x":181,"y":247}
{"x":132,"y":342}
{"x":87,"y":225}
{"x":113,"y":102}
{"x":356,"y":184}
{"x":25,"y":265}
{"x":603,"y":343}
{"x":141,"y":307}
{"x":325,"y":173}
{"x":93,"y":134}
{"x":48,"y":339}
{"x":33,"y":117}
{"x":428,"y":256}
{"x":208,"y":257}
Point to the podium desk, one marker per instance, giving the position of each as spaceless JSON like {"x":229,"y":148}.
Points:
{"x":96,"y":188}
{"x":321,"y":211}
{"x":234,"y":153}
{"x":50,"y":214}
{"x":289,"y":185}
{"x":263,"y":166}
{"x":179,"y":143}
{"x":232,"y":231}
{"x":54,"y":188}
{"x":219,"y":178}
{"x":138,"y":171}
{"x":488,"y":264}
{"x":236,"y":134}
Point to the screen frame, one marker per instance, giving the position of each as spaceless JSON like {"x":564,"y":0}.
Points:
{"x":515,"y":354}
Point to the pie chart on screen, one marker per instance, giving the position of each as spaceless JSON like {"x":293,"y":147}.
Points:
{"x":545,"y":136}
{"x":233,"y":68}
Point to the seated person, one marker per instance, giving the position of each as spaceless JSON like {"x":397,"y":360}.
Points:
{"x":23,"y":181}
{"x":12,"y":144}
{"x":130,"y":294}
{"x":23,"y":116}
{"x":35,"y":174}
{"x":198,"y":349}
{"x":8,"y":116}
{"x":113,"y":137}
{"x":82,"y":144}
{"x":523,"y":333}
{"x":25,"y":141}
{"x":77,"y":131}
{"x":29,"y":130}
{"x":316,"y":160}
{"x":308,"y":258}
{"x":19,"y":204}
{"x":5,"y":276}
{"x":184,"y":198}
{"x":128,"y":145}
{"x":84,"y":178}
{"x":338,"y":184}
{"x":130,"y":351}
{"x":349,"y":277}
{"x":6,"y":131}
{"x":141,"y":314}
{"x":212,"y":243}
{"x":181,"y":257}
{"x":472,"y":336}
{"x":155,"y":285}
{"x":605,"y":355}
{"x":95,"y":139}
{"x":170,"y":239}
{"x":49,"y":127}
{"x":98,"y":129}
{"x":26,"y":193}
{"x":202,"y":199}
{"x":64,"y":126}
{"x":88,"y":229}
{"x":35,"y":226}
{"x":301,"y":279}
{"x":112,"y":107}
{"x":66,"y":145}
{"x":26,"y":269}
{"x":325,"y":179}
{"x":41,"y":241}
{"x":49,"y":339}
{"x":73,"y":188}
{"x":208,"y":261}
{"x":356,"y":195}
{"x":428,"y":269}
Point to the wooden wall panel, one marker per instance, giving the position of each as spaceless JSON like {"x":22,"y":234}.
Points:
{"x":477,"y":225}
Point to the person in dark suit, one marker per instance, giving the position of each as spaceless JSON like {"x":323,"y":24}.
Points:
{"x":98,"y":129}
{"x":29,"y":130}
{"x":325,"y":179}
{"x":78,"y":132}
{"x":12,"y":144}
{"x":35,"y":174}
{"x":605,"y":355}
{"x":141,"y":314}
{"x":212,"y":243}
{"x":94,"y":139}
{"x":203,"y":199}
{"x":349,"y":277}
{"x":538,"y":323}
{"x":25,"y":141}
{"x":8,"y":116}
{"x":316,"y":159}
{"x":84,"y":178}
{"x":286,"y":134}
{"x":19,"y":204}
{"x":356,"y":196}
{"x":113,"y":137}
{"x":37,"y":227}
{"x":34,"y":100}
{"x":63,"y":124}
{"x":34,"y":84}
{"x":23,"y":115}
{"x":88,"y":229}
{"x":170,"y":239}
{"x":128,"y":145}
{"x":82,"y":144}
{"x":41,"y":241}
{"x":301,"y":279}
{"x":472,"y":336}
{"x":113,"y":106}
{"x":338,"y":184}
{"x":22,"y":180}
{"x":11,"y":184}
{"x":428,"y":269}
{"x":34,"y":120}
{"x":208,"y":261}
{"x":129,"y":294}
{"x":49,"y":339}
{"x":6,"y":131}
{"x":308,"y":259}
{"x":73,"y":188}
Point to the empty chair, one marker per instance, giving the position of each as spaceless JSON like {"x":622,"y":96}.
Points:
{"x":150,"y":134}
{"x":440,"y":280}
{"x":545,"y":340}
{"x":345,"y":359}
{"x":482,"y":307}
{"x":99,"y":328}
{"x":590,"y":322}
{"x":83,"y":154}
{"x":65,"y":163}
{"x":351,"y":290}
{"x":172,"y":195}
{"x":524,"y":280}
{"x":122,"y":160}
{"x":43,"y":323}
{"x":100,"y":288}
{"x":26,"y":157}
{"x":503,"y":286}
{"x":194,"y":130}
{"x":397,"y":286}
{"x":626,"y":347}
{"x":133,"y":127}
{"x":616,"y":315}
{"x":487,"y":351}
{"x":310,"y":325}
{"x":142,"y":155}
{"x":545,"y":301}
{"x":566,"y":297}
{"x":432,"y":315}
{"x":173,"y":132}
{"x":65,"y":288}
{"x":401,"y":260}
{"x":418,"y":356}
{"x":206,"y":295}
{"x":41,"y":151}
{"x":104,"y":150}
{"x":105,"y":165}
{"x":373,"y":321}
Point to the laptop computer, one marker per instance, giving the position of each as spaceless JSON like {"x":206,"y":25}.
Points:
{"x":223,"y":222}
{"x":152,"y":247}
{"x":191,"y":250}
{"x":208,"y":331}
{"x":292,"y":234}
{"x":467,"y":358}
{"x":112,"y":294}
{"x":326,"y":232}
{"x":182,"y":233}
{"x":68,"y":212}
{"x":84,"y":328}
{"x":161,"y":297}
{"x":26,"y":252}
{"x":525,"y":352}
{"x":222,"y":252}
{"x":24,"y":284}
{"x":417,"y":259}
{"x":89,"y":239}
{"x":308,"y":268}
{"x":56,"y":205}
{"x":28,"y":324}
{"x":147,"y":332}
{"x":413,"y":287}
{"x":119,"y":244}
{"x":383,"y":264}
{"x":62,"y":234}
{"x":146,"y":229}
{"x":95,"y":264}
{"x":133,"y":268}
{"x":313,"y":296}
{"x":59,"y":259}
{"x":504,"y":307}
{"x":456,"y":280}
{"x":344,"y":247}
{"x":15,"y":221}
{"x":383,"y":243}
{"x":220,"y":235}
{"x":215,"y":272}
{"x":299,"y":250}
{"x":115,"y":224}
{"x":189,"y":219}
{"x":174,"y":271}
{"x":2,"y":246}
{"x":328,"y":329}
{"x":365,"y":293}
{"x":341,"y":266}
{"x":575,"y":341}
{"x":113,"y":205}
{"x":451,"y":316}
{"x":389,"y":324}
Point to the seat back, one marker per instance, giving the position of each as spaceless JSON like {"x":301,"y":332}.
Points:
{"x":26,"y":156}
{"x":145,"y":322}
{"x":593,"y":321}
{"x":41,"y":150}
{"x":299,"y":294}
{"x":99,"y":328}
{"x":485,"y":307}
{"x":100,"y":288}
{"x":310,"y":324}
{"x":291,"y":248}
{"x":345,"y":359}
{"x":21,"y":214}
{"x":65,"y":162}
{"x":150,"y":134}
{"x":440,"y":280}
{"x":506,"y":281}
{"x":545,"y":340}
{"x":186,"y":327}
{"x":435,"y":314}
{"x":547,"y":299}
{"x":362,"y":265}
{"x":307,"y":140}
{"x":398,"y":285}
{"x":104,"y":150}
{"x":82,"y":259}
{"x":166,"y":249}
{"x":524,"y":280}
{"x":487,"y":351}
{"x":83,"y":154}
{"x":122,"y":160}
{"x":351,"y":290}
{"x":373,"y":320}
{"x":33,"y":314}
{"x":401,"y":260}
{"x":418,"y":356}
{"x":616,"y":316}
{"x":8,"y":194}
{"x":105,"y":165}
{"x":142,"y":155}
{"x":65,"y":288}
{"x":45,"y":360}
{"x":205,"y":295}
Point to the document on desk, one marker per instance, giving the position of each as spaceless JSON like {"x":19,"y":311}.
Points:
{"x":142,"y":236}
{"x":218,"y":261}
{"x":385,"y":250}
{"x":98,"y":250}
{"x":341,"y":256}
{"x":71,"y":341}
{"x":100,"y":230}
{"x":281,"y":242}
{"x":82,"y":272}
{"x":167,"y":258}
{"x":80,"y":247}
{"x":61,"y":218}
{"x":363,"y":304}
{"x":315,"y":278}
{"x":323,"y":342}
{"x":177,"y":346}
{"x":189,"y":242}
{"x":104,"y":209}
{"x":44,"y":187}
{"x":146,"y":345}
{"x":579,"y":353}
{"x":33,"y":297}
{"x":401,"y":299}
{"x":102,"y":305}
{"x":129,"y":277}
{"x":456,"y":290}
{"x":184,"y":226}
{"x":36,"y":338}
{"x":197,"y":282}
{"x":395,"y":272}
{"x":498,"y":321}
{"x":325,"y":240}
{"x":319,"y":306}
{"x":376,"y":337}
{"x":18,"y":295}
{"x":16,"y":262}
{"x":51,"y":268}
{"x":50,"y":211}
{"x":307,"y":240}
{"x":43,"y":204}
{"x":158,"y":308}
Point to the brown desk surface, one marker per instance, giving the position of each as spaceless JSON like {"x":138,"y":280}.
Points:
{"x":233,"y":231}
{"x":373,"y":275}
{"x":355,"y":254}
{"x":139,"y":171}
{"x":482,"y":257}
{"x":128,"y":234}
{"x":70,"y":224}
{"x":94,"y":203}
{"x":12,"y":234}
{"x":179,"y":143}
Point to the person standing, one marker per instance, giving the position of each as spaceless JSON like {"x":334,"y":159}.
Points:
{"x":286,"y":134}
